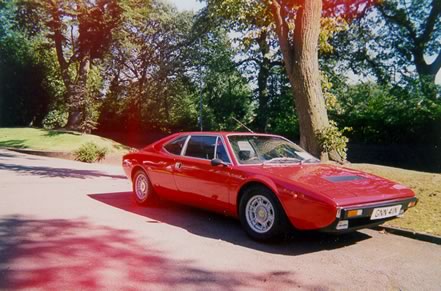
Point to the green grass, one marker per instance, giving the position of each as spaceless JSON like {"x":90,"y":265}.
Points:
{"x":54,"y":140}
{"x":426,"y":216}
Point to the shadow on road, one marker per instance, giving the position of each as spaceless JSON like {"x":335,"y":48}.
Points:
{"x":216,"y":226}
{"x":57,"y":172}
{"x":78,"y":255}
{"x":7,"y":155}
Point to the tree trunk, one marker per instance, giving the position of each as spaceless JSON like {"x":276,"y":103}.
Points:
{"x":77,"y":96}
{"x":427,"y":73}
{"x":262,"y":84}
{"x":301,"y":60}
{"x":305,"y":77}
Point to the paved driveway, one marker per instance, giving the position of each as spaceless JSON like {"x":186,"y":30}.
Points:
{"x":68,"y":226}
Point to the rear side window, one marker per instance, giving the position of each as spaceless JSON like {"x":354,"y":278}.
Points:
{"x":175,"y":146}
{"x":201,"y":147}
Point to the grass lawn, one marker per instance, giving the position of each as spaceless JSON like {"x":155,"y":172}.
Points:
{"x":426,"y":216}
{"x":54,"y":140}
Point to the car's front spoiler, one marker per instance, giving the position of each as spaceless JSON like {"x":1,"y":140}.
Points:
{"x":364,"y":220}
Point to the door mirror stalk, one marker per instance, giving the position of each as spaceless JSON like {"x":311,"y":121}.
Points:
{"x":218,"y":162}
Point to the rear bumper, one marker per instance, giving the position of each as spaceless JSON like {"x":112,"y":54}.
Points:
{"x":364,"y":220}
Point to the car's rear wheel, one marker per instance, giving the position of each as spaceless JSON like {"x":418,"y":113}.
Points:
{"x":261,"y":214}
{"x":142,"y":188}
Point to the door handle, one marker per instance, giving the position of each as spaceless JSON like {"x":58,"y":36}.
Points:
{"x":178,"y":165}
{"x":154,"y":164}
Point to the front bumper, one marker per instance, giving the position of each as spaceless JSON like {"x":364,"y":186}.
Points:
{"x":364,"y":220}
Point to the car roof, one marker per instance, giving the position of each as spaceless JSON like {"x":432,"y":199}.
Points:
{"x":223,"y":133}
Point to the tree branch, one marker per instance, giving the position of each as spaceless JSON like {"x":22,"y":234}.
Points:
{"x":58,"y":37}
{"x":257,"y":61}
{"x":399,"y":17}
{"x":434,"y":15}
{"x":435,"y":66}
{"x":282,"y":31}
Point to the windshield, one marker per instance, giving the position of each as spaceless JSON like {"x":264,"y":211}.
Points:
{"x":258,"y":149}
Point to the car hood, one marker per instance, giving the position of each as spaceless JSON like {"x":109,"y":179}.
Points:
{"x":344,"y":186}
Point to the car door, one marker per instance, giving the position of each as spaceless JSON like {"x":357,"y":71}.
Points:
{"x":160,"y":167}
{"x":204,"y":185}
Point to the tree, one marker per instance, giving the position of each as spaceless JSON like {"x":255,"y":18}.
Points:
{"x":406,"y":45}
{"x":149,"y":88}
{"x":20,"y":64}
{"x":300,"y":54}
{"x":257,"y":43}
{"x":81,"y":32}
{"x":297,"y":27}
{"x":226,"y":93}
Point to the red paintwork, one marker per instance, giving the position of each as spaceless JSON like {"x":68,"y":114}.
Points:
{"x":309,"y":200}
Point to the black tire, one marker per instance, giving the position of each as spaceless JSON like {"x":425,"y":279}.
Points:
{"x":270,"y":230}
{"x":142,"y":188}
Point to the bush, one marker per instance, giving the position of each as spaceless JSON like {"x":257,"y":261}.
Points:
{"x":332,"y":139}
{"x":90,"y":152}
{"x":55,"y":119}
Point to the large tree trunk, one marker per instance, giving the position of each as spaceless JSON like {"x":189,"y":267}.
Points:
{"x":305,"y":76}
{"x":77,"y":96}
{"x":300,"y":53}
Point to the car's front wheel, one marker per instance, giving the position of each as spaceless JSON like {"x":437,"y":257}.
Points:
{"x":261,"y":214}
{"x":142,"y":188}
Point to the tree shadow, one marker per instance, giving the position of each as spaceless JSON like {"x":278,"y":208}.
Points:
{"x":51,"y":133}
{"x":57,"y":172}
{"x":64,"y":254}
{"x":7,"y":155}
{"x":216,"y":226}
{"x":13,"y":143}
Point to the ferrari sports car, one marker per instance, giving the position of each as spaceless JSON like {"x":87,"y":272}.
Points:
{"x":266,"y":181}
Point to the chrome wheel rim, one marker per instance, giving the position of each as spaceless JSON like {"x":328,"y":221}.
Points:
{"x":141,"y":187}
{"x":260,"y":214}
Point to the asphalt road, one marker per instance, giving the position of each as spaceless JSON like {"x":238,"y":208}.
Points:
{"x":66,"y":225}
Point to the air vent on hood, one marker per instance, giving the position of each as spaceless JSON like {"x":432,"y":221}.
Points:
{"x":336,"y":179}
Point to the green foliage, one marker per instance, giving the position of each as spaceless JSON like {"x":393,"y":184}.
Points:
{"x":332,"y":139}
{"x":226,"y":93}
{"x":55,"y":119}
{"x":23,"y":99}
{"x":89,"y":153}
{"x":148,"y":71}
{"x":393,"y":42}
{"x":280,"y":110}
{"x":92,"y":102}
{"x":389,"y":114}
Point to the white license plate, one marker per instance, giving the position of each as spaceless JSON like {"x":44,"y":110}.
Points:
{"x":385,"y":212}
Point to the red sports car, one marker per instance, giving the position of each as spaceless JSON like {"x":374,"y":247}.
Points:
{"x":266,"y":181}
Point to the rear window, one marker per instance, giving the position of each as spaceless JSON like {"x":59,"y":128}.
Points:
{"x":175,"y":146}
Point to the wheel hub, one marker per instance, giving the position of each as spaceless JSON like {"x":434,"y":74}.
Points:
{"x":261,"y":214}
{"x":141,"y":187}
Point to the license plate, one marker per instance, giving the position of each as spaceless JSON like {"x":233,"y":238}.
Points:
{"x":385,"y":212}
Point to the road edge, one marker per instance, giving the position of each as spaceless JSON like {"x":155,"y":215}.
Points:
{"x":110,"y":159}
{"x":421,"y":236}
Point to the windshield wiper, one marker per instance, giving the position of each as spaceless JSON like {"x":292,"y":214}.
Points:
{"x":310,"y":160}
{"x":273,"y":160}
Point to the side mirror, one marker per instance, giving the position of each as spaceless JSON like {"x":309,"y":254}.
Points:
{"x":217,"y":162}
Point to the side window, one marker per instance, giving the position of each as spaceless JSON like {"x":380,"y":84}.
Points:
{"x":221,"y":152}
{"x":175,"y":146}
{"x":201,"y":147}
